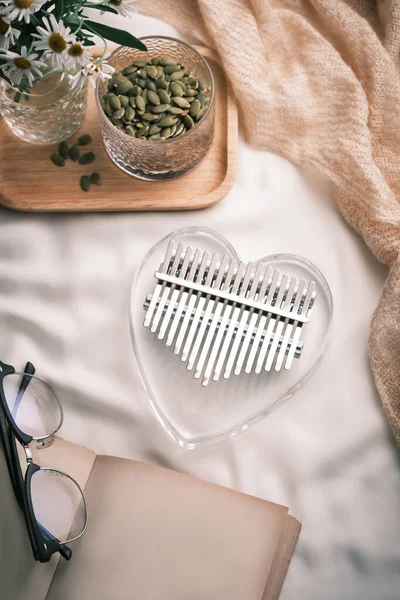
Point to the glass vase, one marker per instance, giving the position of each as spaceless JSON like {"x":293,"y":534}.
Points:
{"x":53,"y":110}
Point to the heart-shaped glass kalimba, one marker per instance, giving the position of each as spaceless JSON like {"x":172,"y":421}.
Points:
{"x":218,"y":341}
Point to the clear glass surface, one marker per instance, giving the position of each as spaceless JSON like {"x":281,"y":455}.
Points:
{"x":55,"y":110}
{"x":164,"y":159}
{"x":37,"y":411}
{"x":190,"y":413}
{"x":58,"y":504}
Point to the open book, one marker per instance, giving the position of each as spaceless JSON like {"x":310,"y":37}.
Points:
{"x":152,"y":534}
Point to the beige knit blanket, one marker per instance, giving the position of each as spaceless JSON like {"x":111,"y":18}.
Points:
{"x":316,"y":82}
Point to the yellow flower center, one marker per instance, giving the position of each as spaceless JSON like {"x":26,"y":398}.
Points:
{"x":4,"y":27}
{"x":75,"y":50}
{"x":57,"y":43}
{"x":21,"y":62}
{"x":23,"y":3}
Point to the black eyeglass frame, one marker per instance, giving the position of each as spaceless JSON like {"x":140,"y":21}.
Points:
{"x":43,"y":546}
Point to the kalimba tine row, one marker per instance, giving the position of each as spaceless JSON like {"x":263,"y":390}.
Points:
{"x":225,"y":316}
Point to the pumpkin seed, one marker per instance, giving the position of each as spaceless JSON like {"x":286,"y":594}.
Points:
{"x":117,"y":122}
{"x":177,"y":75}
{"x":74,"y":152}
{"x":165,"y":133}
{"x":181,"y":102}
{"x":154,"y":137}
{"x":124,"y":101}
{"x":173,"y":68}
{"x":152,"y":72}
{"x":114,"y":102}
{"x":160,"y":73}
{"x":85,"y":139}
{"x":166,"y":122}
{"x":201,"y":87}
{"x":124,"y":86}
{"x":129,"y":70}
{"x":176,"y":89}
{"x":187,"y":121}
{"x":143,"y":73}
{"x":85,"y":183}
{"x":179,"y":129}
{"x":132,"y":102}
{"x":140,"y":103}
{"x":140,"y":63}
{"x":195,"y":108}
{"x":129,"y":113}
{"x":175,"y":110}
{"x":160,"y":108}
{"x":164,"y":97}
{"x":140,"y":81}
{"x":63,"y":150}
{"x":142,"y":131}
{"x":57,"y":159}
{"x":167,"y":60}
{"x":201,"y":98}
{"x":134,"y":91}
{"x":155,"y":61}
{"x":147,"y":116}
{"x":161,"y":84}
{"x":130,"y":131}
{"x":154,"y":129}
{"x":119,"y":113}
{"x":150,"y":85}
{"x":190,"y":92}
{"x":201,"y":114}
{"x":153,"y":98}
{"x":95,"y":178}
{"x":87,"y":158}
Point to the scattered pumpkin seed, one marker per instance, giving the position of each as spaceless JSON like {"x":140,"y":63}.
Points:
{"x":85,"y":140}
{"x":85,"y":183}
{"x":74,"y":152}
{"x":63,"y":149}
{"x":95,"y":178}
{"x":58,"y":159}
{"x":87,"y":158}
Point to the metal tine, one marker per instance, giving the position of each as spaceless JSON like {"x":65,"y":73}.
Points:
{"x":229,"y":309}
{"x":199,"y":307}
{"x":219,"y":322}
{"x":279,"y":324}
{"x":290,"y":298}
{"x":175,"y":293}
{"x":297,"y":327}
{"x":192,"y":296}
{"x":252,"y":316}
{"x":183,"y":298}
{"x":210,"y":302}
{"x":241,"y":321}
{"x":298,"y":349}
{"x":262,"y":319}
{"x":167,"y":289}
{"x":273,"y":290}
{"x":215,"y":305}
{"x":159,"y":286}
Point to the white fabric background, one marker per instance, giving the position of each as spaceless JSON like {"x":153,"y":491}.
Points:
{"x":327,"y":454}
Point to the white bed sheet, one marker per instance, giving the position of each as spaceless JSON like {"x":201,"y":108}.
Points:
{"x":327,"y":454}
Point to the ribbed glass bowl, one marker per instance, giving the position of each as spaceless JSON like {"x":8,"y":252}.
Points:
{"x":159,"y":159}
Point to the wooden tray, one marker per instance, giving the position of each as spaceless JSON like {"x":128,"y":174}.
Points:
{"x":29,"y":181}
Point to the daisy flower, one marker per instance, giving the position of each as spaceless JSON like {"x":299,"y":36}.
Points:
{"x":95,"y":70}
{"x":123,"y":7}
{"x":19,"y":10}
{"x":78,"y":56}
{"x":8,"y":34}
{"x":24,"y":66}
{"x":53,"y":40}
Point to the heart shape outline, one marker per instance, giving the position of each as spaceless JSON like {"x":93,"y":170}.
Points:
{"x":136,"y":307}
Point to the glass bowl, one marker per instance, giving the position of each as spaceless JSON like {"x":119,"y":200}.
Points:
{"x":163,"y":159}
{"x":190,"y":413}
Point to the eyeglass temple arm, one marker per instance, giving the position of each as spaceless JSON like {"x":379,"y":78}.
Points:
{"x":63,"y":550}
{"x":29,"y":370}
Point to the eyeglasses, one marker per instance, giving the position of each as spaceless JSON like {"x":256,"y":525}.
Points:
{"x":52,"y":502}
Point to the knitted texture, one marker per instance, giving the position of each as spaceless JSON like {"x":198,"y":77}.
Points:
{"x":322,"y":76}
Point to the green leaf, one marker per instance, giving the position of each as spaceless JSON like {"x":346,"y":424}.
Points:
{"x":115,"y":35}
{"x":58,"y":9}
{"x":102,"y":7}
